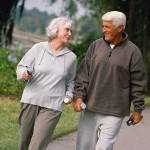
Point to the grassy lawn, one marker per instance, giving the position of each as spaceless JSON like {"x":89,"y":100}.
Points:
{"x":147,"y":101}
{"x":9,"y":128}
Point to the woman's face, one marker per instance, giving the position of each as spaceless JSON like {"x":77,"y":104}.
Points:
{"x":64,"y":33}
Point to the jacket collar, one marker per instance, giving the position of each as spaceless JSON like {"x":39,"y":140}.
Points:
{"x":125,"y":38}
{"x":49,"y":50}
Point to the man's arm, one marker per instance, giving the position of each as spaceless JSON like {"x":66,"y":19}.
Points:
{"x":82,"y":80}
{"x":138,"y":84}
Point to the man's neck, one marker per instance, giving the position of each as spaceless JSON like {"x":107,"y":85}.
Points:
{"x":118,"y":40}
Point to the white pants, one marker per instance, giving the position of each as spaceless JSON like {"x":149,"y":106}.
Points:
{"x":97,"y":131}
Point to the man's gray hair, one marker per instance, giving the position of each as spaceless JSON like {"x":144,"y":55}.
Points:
{"x":118,"y":18}
{"x":55,"y":24}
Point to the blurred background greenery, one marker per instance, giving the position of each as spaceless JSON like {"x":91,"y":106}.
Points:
{"x":20,"y":28}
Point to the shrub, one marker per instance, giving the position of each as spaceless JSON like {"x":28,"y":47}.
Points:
{"x":8,"y":82}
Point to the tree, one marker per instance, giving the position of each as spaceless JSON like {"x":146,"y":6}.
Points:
{"x":138,"y":21}
{"x":137,"y":12}
{"x":7,"y":15}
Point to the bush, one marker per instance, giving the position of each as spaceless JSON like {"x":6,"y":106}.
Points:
{"x":8,"y":82}
{"x":81,"y":48}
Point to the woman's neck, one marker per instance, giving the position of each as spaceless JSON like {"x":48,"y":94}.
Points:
{"x":56,"y":45}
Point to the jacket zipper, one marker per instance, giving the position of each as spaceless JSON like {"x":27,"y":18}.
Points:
{"x":109,"y":54}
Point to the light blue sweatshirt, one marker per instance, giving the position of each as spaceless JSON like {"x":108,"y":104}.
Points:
{"x":53,"y":76}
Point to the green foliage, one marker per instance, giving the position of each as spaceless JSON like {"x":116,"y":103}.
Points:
{"x":33,"y":21}
{"x":8,"y":82}
{"x":85,"y":32}
{"x":71,"y":7}
{"x":147,"y":101}
{"x":80,"y":49}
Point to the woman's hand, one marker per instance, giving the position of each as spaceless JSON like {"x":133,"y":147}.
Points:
{"x":67,"y":100}
{"x":26,"y":76}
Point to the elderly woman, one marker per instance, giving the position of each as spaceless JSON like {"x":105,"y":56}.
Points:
{"x":47,"y":84}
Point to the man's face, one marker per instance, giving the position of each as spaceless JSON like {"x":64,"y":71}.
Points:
{"x":110,"y":32}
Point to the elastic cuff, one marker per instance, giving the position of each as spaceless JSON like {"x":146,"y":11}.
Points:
{"x":69,"y":94}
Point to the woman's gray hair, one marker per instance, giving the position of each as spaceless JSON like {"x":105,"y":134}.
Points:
{"x":55,"y":24}
{"x":118,"y":18}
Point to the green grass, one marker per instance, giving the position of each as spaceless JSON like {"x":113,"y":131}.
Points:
{"x":9,"y":111}
{"x":147,"y":101}
{"x":68,"y":122}
{"x":9,"y":127}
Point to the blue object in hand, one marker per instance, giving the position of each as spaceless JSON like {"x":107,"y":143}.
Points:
{"x":30,"y":70}
{"x":130,"y":121}
{"x":83,"y":106}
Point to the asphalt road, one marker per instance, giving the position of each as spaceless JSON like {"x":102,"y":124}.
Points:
{"x":130,"y":137}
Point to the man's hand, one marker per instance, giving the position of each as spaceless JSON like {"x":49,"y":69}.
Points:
{"x":137,"y":117}
{"x":77,"y":105}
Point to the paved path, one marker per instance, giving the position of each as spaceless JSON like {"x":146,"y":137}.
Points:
{"x":130,"y":138}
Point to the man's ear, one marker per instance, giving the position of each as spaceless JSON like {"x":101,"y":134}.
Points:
{"x":120,"y":28}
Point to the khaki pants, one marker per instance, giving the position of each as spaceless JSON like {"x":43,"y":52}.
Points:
{"x":37,"y":125}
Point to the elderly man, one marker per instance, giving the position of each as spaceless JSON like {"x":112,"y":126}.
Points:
{"x":111,"y":75}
